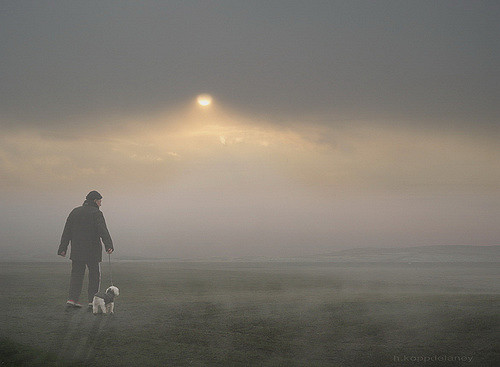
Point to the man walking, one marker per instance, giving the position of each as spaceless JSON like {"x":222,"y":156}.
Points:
{"x":85,"y":227}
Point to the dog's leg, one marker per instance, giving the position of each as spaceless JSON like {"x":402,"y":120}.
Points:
{"x":111,"y":308}
{"x":101,"y":305}
{"x":95,"y":307}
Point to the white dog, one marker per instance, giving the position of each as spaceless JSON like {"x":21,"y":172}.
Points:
{"x":105,"y":301}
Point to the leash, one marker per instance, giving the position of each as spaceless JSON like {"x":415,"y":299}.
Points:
{"x":110,"y":270}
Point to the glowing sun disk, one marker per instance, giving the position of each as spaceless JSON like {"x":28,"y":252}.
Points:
{"x":204,"y":99}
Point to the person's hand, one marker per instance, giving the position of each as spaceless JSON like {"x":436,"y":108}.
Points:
{"x":62,"y":253}
{"x":110,"y":250}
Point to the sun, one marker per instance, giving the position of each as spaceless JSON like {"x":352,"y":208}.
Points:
{"x":204,"y":100}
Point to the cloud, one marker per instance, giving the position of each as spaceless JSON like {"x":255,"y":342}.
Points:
{"x":152,"y":151}
{"x":427,"y":62}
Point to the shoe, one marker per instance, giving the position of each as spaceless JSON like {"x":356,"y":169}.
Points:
{"x":72,"y":303}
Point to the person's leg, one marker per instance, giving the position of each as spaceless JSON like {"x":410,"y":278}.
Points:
{"x":94,"y":279}
{"x":76,"y":281}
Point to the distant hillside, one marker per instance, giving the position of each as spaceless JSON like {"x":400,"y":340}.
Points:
{"x":438,"y":253}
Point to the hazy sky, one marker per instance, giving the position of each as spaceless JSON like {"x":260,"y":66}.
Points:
{"x":334,"y":124}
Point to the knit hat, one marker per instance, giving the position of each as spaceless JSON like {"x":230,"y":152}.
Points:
{"x":93,"y":195}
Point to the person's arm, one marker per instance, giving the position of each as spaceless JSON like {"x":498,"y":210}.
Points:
{"x":65,"y":238}
{"x":102,"y":231}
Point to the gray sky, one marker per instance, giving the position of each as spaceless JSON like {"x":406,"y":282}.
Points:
{"x":334,"y":124}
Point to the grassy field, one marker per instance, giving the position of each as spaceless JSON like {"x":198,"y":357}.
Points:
{"x":256,"y":314}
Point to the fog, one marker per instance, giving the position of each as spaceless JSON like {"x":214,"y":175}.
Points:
{"x":333,"y":125}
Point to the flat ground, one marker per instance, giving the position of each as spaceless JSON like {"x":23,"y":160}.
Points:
{"x":256,"y":314}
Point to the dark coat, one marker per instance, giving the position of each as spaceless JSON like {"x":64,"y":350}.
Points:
{"x":84,"y":228}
